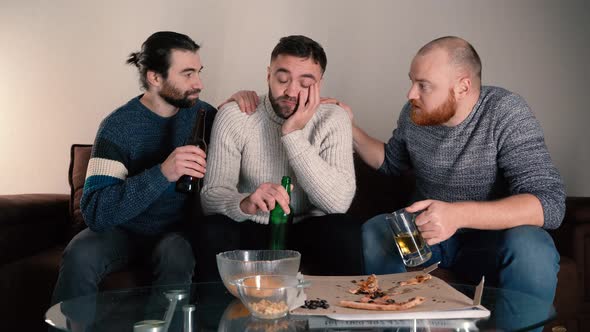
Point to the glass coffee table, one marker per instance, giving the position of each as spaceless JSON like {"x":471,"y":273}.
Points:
{"x":217,"y":310}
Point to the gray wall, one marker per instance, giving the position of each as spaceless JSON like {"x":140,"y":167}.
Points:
{"x":62,"y":65}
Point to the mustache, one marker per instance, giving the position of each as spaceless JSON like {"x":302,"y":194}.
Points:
{"x":416,"y":103}
{"x":286,"y":98}
{"x":192,"y":92}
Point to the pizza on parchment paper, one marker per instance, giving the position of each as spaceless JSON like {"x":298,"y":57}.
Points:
{"x":376,"y":299}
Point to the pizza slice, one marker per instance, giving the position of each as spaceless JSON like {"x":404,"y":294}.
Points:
{"x":421,"y":278}
{"x":384,"y":307}
{"x":369,"y":286}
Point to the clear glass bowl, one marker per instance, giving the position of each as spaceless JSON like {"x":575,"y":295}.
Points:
{"x":237,"y":264}
{"x":269,"y":296}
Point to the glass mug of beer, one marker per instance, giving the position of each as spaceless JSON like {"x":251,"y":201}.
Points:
{"x":409,"y":241}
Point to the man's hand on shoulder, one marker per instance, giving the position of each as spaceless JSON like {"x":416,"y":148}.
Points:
{"x":266,"y":196}
{"x":438,"y":220}
{"x":247,"y":101}
{"x":185,"y":160}
{"x":328,"y":100}
{"x":309,"y":100}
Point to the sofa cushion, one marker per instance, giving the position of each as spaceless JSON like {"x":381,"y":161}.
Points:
{"x":26,"y":287}
{"x":31,"y":223}
{"x":79,"y":157}
{"x":377,"y":193}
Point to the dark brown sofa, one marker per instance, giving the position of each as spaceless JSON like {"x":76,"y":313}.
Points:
{"x":34,"y":229}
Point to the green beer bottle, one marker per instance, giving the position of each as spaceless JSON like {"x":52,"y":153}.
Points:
{"x":279,"y":221}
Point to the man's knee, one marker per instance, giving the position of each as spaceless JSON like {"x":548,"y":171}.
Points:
{"x":88,"y":250}
{"x":530,"y":250}
{"x":380,"y":256}
{"x":529,"y":261}
{"x":530,"y":242}
{"x":375,"y":228}
{"x":174,"y":252}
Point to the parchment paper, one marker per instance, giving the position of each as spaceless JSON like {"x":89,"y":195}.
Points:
{"x":442,"y":300}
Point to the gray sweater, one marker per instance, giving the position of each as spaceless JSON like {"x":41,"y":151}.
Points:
{"x":497,"y":151}
{"x":248,"y":150}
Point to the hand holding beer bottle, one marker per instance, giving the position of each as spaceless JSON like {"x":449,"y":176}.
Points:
{"x":265,"y":198}
{"x":187,"y":183}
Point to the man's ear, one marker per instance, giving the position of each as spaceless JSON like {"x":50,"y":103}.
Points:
{"x":154,"y":78}
{"x":463,"y":87}
{"x":268,"y":74}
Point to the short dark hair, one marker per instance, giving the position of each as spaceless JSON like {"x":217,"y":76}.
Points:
{"x":461,"y":52}
{"x":301,"y":47}
{"x":155,"y":53}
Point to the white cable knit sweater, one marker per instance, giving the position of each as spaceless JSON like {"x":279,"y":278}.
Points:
{"x":248,"y":150}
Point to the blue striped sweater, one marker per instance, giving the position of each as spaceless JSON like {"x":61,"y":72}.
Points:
{"x":124,"y":184}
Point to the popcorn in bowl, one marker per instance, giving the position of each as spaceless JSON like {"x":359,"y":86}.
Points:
{"x":237,"y":264}
{"x":270,"y":296}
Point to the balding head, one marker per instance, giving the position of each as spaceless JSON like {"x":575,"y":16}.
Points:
{"x":446,"y":82}
{"x":461,"y":54}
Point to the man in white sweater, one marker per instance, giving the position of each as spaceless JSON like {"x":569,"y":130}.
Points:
{"x":290,"y":133}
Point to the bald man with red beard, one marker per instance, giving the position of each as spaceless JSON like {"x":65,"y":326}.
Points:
{"x":486,"y":187}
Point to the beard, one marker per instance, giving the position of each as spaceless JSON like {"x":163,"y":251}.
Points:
{"x":177,"y":98}
{"x":283,"y":111}
{"x":437,"y":116}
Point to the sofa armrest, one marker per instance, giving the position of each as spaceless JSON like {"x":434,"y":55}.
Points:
{"x":577,"y":216}
{"x":577,"y":210}
{"x":31,"y":223}
{"x":572,"y":239}
{"x":582,"y":259}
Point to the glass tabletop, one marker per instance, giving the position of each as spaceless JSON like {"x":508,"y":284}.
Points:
{"x":218,"y":310}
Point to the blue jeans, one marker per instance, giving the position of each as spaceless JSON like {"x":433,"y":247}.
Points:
{"x":522,"y":258}
{"x":90,"y":256}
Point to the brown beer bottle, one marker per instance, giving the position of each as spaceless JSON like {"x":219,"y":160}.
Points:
{"x":189,"y":184}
